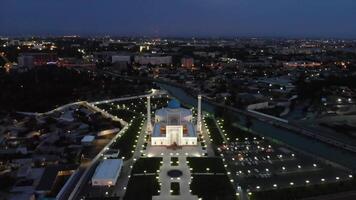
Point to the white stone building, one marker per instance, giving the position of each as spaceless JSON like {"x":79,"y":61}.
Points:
{"x":173,"y":125}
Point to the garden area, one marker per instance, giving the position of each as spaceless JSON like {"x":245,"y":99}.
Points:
{"x":123,"y":114}
{"x":127,"y":109}
{"x":142,"y":187}
{"x":213,"y":132}
{"x":233,"y":131}
{"x":175,"y":188}
{"x":174,"y":161}
{"x":147,"y":165}
{"x":126,"y":142}
{"x":206,"y":165}
{"x":212,"y":187}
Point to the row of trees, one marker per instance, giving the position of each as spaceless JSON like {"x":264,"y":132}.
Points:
{"x":44,"y":88}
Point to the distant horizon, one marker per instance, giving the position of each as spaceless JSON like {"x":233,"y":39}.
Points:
{"x":175,"y":37}
{"x":180,"y":18}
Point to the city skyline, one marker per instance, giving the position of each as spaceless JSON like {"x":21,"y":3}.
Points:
{"x":182,"y":99}
{"x":226,"y":18}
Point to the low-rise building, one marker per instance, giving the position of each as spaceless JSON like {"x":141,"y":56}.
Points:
{"x":88,"y":140}
{"x":107,"y":172}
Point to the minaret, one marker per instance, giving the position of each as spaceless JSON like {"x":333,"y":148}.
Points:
{"x":149,"y":123}
{"x":199,"y":114}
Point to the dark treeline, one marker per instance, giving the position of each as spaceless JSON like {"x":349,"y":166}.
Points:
{"x":44,"y":88}
{"x":313,"y":90}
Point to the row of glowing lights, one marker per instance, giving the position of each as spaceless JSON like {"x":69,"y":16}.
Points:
{"x":129,"y":106}
{"x":223,"y":159}
{"x":123,"y":158}
{"x":267,"y":170}
{"x":306,"y":182}
{"x":259,"y":148}
{"x":133,"y":150}
{"x":269,"y":146}
{"x":124,"y":107}
{"x":227,"y":138}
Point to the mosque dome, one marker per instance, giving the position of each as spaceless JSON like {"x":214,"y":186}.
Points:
{"x":173,"y":104}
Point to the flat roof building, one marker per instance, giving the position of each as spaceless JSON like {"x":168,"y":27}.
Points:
{"x":88,"y":140}
{"x":107,"y":172}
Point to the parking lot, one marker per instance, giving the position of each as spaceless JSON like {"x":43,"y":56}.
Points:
{"x":257,"y":164}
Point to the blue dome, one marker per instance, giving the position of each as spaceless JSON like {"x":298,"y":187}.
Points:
{"x":173,"y":104}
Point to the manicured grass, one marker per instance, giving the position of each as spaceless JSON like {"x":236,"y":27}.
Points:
{"x":142,"y":187}
{"x":214,"y":133}
{"x":204,"y":165}
{"x":174,"y":161}
{"x":212,"y":187}
{"x":129,"y":108}
{"x":175,"y":189}
{"x":126,"y":142}
{"x":306,"y":191}
{"x":233,"y":131}
{"x":150,"y":165}
{"x":124,"y":114}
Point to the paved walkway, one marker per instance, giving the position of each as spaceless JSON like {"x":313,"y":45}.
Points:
{"x":209,"y":147}
{"x":183,"y":180}
{"x":121,"y":185}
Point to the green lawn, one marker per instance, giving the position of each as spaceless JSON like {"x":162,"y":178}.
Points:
{"x":233,"y":130}
{"x":175,"y":188}
{"x":203,"y":164}
{"x":212,"y":187}
{"x":142,"y":188}
{"x":126,"y":142}
{"x":150,"y":165}
{"x":215,"y":135}
{"x":174,"y":161}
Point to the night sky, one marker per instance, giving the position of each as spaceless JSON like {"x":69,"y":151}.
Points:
{"x":285,"y":18}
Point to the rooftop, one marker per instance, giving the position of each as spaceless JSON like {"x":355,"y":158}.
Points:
{"x":173,"y":104}
{"x":88,"y":138}
{"x":108,"y":169}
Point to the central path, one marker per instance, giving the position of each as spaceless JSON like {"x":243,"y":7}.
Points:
{"x":183,"y":180}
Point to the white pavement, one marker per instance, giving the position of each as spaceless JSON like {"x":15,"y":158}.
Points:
{"x":181,"y":153}
{"x":184,"y":180}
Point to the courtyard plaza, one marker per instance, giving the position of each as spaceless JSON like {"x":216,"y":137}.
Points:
{"x":166,"y":153}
